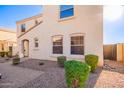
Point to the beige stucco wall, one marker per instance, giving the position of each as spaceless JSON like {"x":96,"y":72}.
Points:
{"x":88,"y":20}
{"x":29,"y":23}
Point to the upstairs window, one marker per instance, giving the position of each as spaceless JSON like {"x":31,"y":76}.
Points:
{"x":77,"y":45}
{"x":36,"y":42}
{"x":36,"y":22}
{"x":23,"y":28}
{"x":66,"y":11}
{"x":57,"y":45}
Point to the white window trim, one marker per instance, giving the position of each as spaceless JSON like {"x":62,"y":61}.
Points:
{"x":36,"y":48}
{"x":78,"y":56}
{"x":52,"y":54}
{"x":21,"y":27}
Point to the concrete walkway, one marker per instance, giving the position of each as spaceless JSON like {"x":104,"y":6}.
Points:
{"x":13,"y":76}
{"x":112,"y":75}
{"x":109,"y":79}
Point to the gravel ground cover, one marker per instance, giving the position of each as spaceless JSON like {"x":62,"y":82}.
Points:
{"x":34,"y":64}
{"x":4,"y":59}
{"x":13,"y":77}
{"x":29,"y":74}
{"x":114,"y":66}
{"x":53,"y":76}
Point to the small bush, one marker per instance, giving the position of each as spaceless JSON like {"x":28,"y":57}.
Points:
{"x":92,"y":60}
{"x":76,"y":73}
{"x":2,"y":54}
{"x":61,"y":60}
{"x":9,"y":54}
{"x":6,"y":53}
{"x":16,"y":60}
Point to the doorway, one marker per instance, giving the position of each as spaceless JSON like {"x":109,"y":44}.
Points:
{"x":26,"y":48}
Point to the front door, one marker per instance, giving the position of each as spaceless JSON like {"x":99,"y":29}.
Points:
{"x":26,"y":48}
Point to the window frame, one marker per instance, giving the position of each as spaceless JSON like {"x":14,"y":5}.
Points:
{"x":75,"y":35}
{"x":61,"y":36}
{"x":68,"y":9}
{"x":36,"y":41}
{"x":23,"y":27}
{"x":36,"y":22}
{"x":66,"y":18}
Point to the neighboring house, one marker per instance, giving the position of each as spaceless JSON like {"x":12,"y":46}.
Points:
{"x":8,"y":40}
{"x":72,"y":31}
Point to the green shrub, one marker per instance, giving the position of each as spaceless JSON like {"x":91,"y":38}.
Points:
{"x":9,"y":54}
{"x":16,"y":60}
{"x":2,"y":54}
{"x":92,"y":60}
{"x":61,"y":60}
{"x":76,"y":73}
{"x":6,"y":53}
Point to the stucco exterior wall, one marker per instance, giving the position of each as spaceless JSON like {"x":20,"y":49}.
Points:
{"x":28,"y":23}
{"x":88,"y":20}
{"x":7,"y":38}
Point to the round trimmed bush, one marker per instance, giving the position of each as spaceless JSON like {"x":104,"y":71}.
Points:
{"x":92,"y":60}
{"x":16,"y":60}
{"x":9,"y":54}
{"x":6,"y":53}
{"x":61,"y":60}
{"x":2,"y":54}
{"x":76,"y":73}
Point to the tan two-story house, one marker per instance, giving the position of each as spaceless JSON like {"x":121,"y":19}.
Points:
{"x":8,"y":40}
{"x":72,"y":31}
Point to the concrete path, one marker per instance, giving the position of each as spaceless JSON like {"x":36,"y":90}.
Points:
{"x":109,"y":79}
{"x":112,"y":75}
{"x":13,"y":76}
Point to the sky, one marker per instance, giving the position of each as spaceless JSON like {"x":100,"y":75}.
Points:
{"x":113,"y":22}
{"x":12,"y":13}
{"x":113,"y":28}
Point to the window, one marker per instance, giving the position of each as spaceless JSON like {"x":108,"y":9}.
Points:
{"x":66,"y":11}
{"x":77,"y":45}
{"x":23,"y":27}
{"x":36,"y":22}
{"x":57,"y":45}
{"x":36,"y":42}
